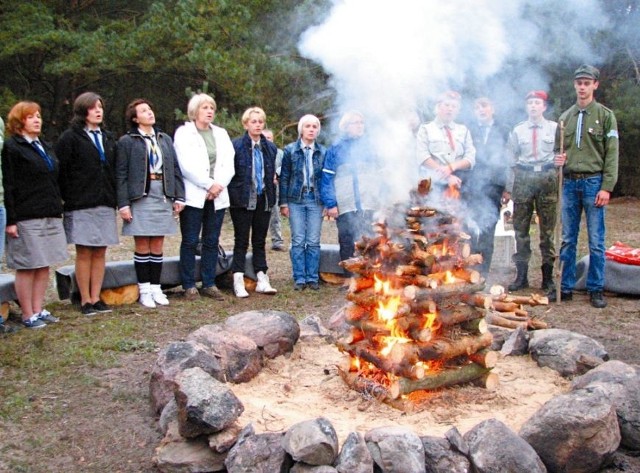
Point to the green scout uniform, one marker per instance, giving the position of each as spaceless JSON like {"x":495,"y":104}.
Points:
{"x":598,"y":152}
{"x":533,"y":184}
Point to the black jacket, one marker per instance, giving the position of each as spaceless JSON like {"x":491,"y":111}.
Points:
{"x":30,"y":189}
{"x":492,"y":163}
{"x":132,"y":168}
{"x":240,"y":185}
{"x":85,"y":181}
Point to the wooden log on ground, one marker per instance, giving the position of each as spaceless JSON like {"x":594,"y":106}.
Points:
{"x":493,"y":318}
{"x":371,"y":388}
{"x":333,"y":278}
{"x":532,"y":300}
{"x":440,"y":379}
{"x":490,"y":381}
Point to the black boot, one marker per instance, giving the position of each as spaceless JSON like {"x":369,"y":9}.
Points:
{"x":522,"y":281}
{"x":547,"y":277}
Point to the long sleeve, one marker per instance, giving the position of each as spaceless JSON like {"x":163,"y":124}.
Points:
{"x":327,"y":183}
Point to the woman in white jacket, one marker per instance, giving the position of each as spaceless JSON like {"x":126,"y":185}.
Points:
{"x":205,"y":155}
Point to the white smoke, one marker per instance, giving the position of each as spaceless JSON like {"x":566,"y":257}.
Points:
{"x":388,"y":59}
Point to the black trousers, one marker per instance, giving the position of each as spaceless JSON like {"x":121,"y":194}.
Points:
{"x":254,"y":225}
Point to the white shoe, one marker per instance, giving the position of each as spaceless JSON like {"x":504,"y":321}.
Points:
{"x":158,"y":296}
{"x":238,"y":285}
{"x":263,"y":286}
{"x":146,"y":299}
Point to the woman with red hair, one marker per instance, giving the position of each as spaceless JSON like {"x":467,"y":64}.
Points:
{"x":36,"y":237}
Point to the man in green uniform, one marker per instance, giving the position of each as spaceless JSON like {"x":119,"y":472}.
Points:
{"x":590,"y":161}
{"x":533,"y":185}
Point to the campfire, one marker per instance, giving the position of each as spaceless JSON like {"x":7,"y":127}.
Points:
{"x":416,"y":322}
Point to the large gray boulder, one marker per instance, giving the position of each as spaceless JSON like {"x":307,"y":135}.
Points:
{"x":354,"y":456}
{"x":205,"y":405}
{"x":564,"y":351}
{"x":188,"y":456}
{"x":273,"y":331}
{"x":396,"y":450}
{"x":441,"y":457}
{"x":620,"y":383}
{"x":240,"y":358}
{"x":494,"y":448}
{"x":313,"y":442}
{"x":575,"y":432}
{"x":261,"y":453}
{"x":171,"y":361}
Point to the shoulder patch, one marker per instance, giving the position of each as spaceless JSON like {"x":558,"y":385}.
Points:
{"x":612,"y":134}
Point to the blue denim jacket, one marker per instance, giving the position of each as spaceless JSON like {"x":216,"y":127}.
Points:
{"x":292,"y":172}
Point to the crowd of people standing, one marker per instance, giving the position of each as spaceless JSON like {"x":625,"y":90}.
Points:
{"x":73,"y":192}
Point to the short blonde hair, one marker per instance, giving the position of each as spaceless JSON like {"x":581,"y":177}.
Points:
{"x":247,"y":114}
{"x":347,"y":118}
{"x":308,"y":119}
{"x":196,"y":102}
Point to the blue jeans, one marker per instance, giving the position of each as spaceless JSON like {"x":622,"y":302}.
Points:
{"x":305,"y":220}
{"x":192,"y":220}
{"x":579,"y":195}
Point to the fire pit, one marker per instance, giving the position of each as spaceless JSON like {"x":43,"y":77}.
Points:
{"x":416,"y":322}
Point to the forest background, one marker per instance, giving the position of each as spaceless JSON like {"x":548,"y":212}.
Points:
{"x":246,"y":52}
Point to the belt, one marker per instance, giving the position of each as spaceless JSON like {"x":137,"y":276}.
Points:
{"x":536,"y":167}
{"x":580,"y":175}
{"x":155,"y":176}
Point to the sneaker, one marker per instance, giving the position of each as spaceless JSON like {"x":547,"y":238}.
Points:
{"x":46,"y":317}
{"x":101,"y":307}
{"x":158,"y":296}
{"x":34,"y":322}
{"x":87,"y":309}
{"x":191,"y":294}
{"x":213,"y":292}
{"x":277,"y":247}
{"x":597,"y":300}
{"x":298,"y":286}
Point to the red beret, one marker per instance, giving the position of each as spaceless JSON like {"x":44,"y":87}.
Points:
{"x":537,"y":94}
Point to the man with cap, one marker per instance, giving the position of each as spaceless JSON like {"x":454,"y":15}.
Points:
{"x":532,"y":184}
{"x":590,"y":161}
{"x":445,"y":148}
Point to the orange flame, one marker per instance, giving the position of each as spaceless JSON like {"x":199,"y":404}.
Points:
{"x":449,"y":278}
{"x":452,"y":192}
{"x":430,"y":319}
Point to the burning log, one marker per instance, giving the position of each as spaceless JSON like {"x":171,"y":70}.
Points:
{"x":446,"y":290}
{"x":359,"y":265}
{"x":458,"y":314}
{"x":355,"y":312}
{"x":369,"y":297}
{"x":440,"y":349}
{"x":451,"y":263}
{"x":371,"y":388}
{"x":443,"y":378}
{"x":408,"y":270}
{"x":421,"y":212}
{"x":359,"y":283}
{"x":364,"y":351}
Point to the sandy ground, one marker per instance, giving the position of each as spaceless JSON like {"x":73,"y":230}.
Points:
{"x":307,"y":385}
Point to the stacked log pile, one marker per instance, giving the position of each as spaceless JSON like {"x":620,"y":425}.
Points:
{"x":416,"y":322}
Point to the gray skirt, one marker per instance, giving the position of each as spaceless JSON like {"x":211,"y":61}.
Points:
{"x":91,"y":227}
{"x":41,"y":242}
{"x":152,"y":214}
